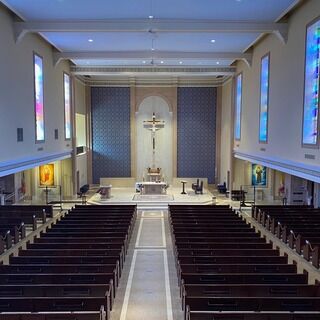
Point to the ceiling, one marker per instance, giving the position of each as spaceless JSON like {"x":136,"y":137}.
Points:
{"x":159,"y":33}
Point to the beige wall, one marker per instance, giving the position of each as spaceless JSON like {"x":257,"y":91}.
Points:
{"x":80,"y":96}
{"x":226,"y":131}
{"x":17,"y":97}
{"x":286,"y":97}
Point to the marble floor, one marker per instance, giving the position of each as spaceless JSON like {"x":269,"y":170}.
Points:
{"x":129,"y":196}
{"x":148,"y":288}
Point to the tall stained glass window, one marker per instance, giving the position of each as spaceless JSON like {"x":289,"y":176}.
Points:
{"x":238,"y":106}
{"x":264,"y":98}
{"x":38,"y":99}
{"x":67,"y":106}
{"x":311,"y":85}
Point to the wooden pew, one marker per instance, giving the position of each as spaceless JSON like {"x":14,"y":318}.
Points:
{"x":45,"y":304}
{"x":251,"y":315}
{"x":35,"y":209}
{"x":249,"y":290}
{"x":243,"y":278}
{"x":63,"y":268}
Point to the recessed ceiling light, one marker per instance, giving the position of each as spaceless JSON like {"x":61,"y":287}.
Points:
{"x":152,"y":49}
{"x":217,"y":62}
{"x":180,"y":62}
{"x":90,"y":40}
{"x":213,"y":41}
{"x":151,"y":16}
{"x":161,"y":62}
{"x":143,"y":61}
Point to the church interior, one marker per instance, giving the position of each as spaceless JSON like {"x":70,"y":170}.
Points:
{"x":160,"y":160}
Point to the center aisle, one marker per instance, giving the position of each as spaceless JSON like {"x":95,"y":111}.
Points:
{"x":148,"y":288}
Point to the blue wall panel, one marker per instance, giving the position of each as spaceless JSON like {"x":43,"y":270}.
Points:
{"x":197,"y":132}
{"x":110,"y":132}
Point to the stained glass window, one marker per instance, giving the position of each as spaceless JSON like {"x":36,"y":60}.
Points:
{"x":264,"y":98}
{"x":311,"y":85}
{"x":38,"y":99}
{"x":67,"y":106}
{"x":237,"y":129}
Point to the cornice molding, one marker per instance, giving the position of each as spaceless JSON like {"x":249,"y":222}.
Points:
{"x":302,"y":170}
{"x":10,"y":167}
{"x":84,"y":70}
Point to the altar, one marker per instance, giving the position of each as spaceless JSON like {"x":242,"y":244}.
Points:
{"x":150,"y":187}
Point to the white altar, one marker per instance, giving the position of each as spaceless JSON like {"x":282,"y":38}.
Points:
{"x":149,"y":187}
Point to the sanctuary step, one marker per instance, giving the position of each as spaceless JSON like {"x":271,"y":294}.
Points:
{"x":152,"y":206}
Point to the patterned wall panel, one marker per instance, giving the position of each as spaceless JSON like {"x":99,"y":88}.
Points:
{"x":196,"y":132}
{"x":110,"y":132}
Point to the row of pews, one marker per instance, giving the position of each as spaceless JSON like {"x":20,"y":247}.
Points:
{"x":227,"y":271}
{"x":296,"y":226}
{"x":14,"y":219}
{"x":72,"y":270}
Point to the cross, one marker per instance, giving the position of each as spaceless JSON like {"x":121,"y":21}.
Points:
{"x":153,"y":125}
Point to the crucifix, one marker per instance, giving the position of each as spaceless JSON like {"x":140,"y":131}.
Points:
{"x":153,"y":125}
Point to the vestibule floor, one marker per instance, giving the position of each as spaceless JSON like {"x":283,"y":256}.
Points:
{"x":148,"y":288}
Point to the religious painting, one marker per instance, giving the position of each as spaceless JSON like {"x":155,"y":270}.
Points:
{"x":259,"y":175}
{"x":46,"y":175}
{"x":38,"y":97}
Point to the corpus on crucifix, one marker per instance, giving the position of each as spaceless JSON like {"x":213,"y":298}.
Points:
{"x":153,"y":125}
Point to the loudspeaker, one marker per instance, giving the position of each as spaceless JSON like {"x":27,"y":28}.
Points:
{"x":19,"y":134}
{"x":56,"y":134}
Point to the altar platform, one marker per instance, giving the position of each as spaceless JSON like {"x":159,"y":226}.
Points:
{"x":123,"y":195}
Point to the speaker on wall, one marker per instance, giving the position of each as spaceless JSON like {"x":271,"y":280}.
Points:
{"x":19,"y":134}
{"x":56,"y":134}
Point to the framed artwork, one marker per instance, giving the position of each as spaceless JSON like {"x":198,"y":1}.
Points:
{"x":259,"y":175}
{"x":46,"y":175}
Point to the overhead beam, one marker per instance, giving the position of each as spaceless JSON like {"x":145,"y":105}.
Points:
{"x":148,"y":55}
{"x":154,"y":71}
{"x":150,"y":25}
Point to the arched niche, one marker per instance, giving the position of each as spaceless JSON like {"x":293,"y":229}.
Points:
{"x":164,"y":137}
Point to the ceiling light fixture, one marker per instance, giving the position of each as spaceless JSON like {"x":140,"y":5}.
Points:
{"x":213,"y":41}
{"x":143,"y":61}
{"x":151,"y":16}
{"x":217,"y":62}
{"x":180,"y":62}
{"x":90,"y":40}
{"x":161,"y":62}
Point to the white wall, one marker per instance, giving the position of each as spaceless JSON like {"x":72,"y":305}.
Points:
{"x":17,"y":97}
{"x":286,"y":97}
{"x":81,"y":165}
{"x":163,"y":138}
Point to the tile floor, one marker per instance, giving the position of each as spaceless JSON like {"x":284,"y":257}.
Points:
{"x":148,"y":288}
